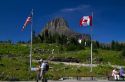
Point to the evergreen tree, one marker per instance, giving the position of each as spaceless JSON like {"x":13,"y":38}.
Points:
{"x":96,"y":44}
{"x":113,"y":45}
{"x":123,"y":52}
{"x":36,"y":39}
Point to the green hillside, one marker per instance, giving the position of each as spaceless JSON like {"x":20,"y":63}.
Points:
{"x":14,"y":61}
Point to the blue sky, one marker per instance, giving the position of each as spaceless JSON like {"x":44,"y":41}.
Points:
{"x":108,"y":17}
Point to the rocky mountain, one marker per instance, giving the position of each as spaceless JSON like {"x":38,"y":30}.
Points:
{"x":60,"y":26}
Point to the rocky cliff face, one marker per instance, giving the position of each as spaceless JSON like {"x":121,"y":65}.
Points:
{"x":60,"y":26}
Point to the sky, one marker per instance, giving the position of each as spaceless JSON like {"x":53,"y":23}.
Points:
{"x":108,"y":17}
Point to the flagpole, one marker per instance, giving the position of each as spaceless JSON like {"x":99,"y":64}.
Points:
{"x":31,"y":40}
{"x":91,"y":46}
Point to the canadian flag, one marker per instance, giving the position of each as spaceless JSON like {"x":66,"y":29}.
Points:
{"x":86,"y":21}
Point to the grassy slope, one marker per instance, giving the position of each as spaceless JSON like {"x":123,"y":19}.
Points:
{"x":17,"y":64}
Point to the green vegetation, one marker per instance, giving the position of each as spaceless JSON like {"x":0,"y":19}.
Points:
{"x":14,"y":60}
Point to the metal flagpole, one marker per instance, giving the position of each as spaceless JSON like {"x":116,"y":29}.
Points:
{"x":91,"y":54}
{"x":91,"y":45}
{"x":31,"y":39}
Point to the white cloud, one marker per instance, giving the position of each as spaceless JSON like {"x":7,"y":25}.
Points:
{"x":78,"y":8}
{"x":74,"y":11}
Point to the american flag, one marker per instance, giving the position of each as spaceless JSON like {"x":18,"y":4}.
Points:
{"x":28,"y":20}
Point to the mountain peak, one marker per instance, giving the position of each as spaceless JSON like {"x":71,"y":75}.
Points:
{"x":57,"y":22}
{"x":59,"y":26}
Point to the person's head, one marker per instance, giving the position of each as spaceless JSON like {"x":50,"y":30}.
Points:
{"x":121,"y":68}
{"x":114,"y":68}
{"x":40,"y":61}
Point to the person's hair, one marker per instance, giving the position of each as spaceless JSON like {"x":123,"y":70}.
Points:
{"x":39,"y":62}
